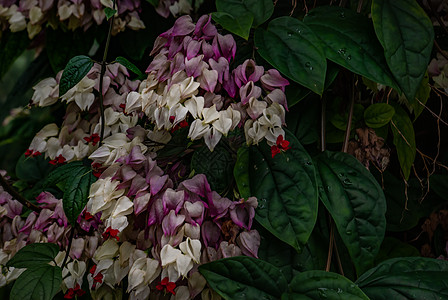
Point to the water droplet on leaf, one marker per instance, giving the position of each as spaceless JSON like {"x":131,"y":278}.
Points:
{"x":347,"y":181}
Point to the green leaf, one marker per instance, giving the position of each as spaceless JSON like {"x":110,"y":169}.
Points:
{"x":303,"y":120}
{"x":76,"y":69}
{"x":241,"y":172}
{"x":357,"y":204}
{"x":62,"y":173}
{"x":392,"y":248}
{"x":421,"y":98}
{"x":286,"y":190}
{"x":350,"y":42}
{"x":339,"y":119}
{"x":12,"y":45}
{"x":42,"y":282}
{"x":404,"y":139}
{"x":323,"y":285}
{"x":292,"y":47}
{"x":378,"y":115}
{"x":238,"y":26}
{"x":407,"y":278}
{"x":32,"y":255}
{"x":216,"y":165}
{"x":244,"y":277}
{"x":32,"y":168}
{"x":261,"y":10}
{"x":76,"y":192}
{"x":406,"y":34}
{"x":130,"y":66}
{"x":154,"y":3}
{"x":109,"y":12}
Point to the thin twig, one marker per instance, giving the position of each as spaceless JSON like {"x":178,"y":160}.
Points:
{"x":359,"y":6}
{"x":67,"y":253}
{"x":10,"y":190}
{"x":330,"y":246}
{"x":350,"y":118}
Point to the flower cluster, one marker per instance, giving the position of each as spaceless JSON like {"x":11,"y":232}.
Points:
{"x":34,"y":15}
{"x":79,"y":135}
{"x":190,"y":80}
{"x":175,"y":7}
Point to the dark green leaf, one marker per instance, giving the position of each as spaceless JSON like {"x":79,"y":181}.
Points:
{"x":303,"y":120}
{"x":357,"y":204}
{"x":241,"y":172}
{"x":244,"y":278}
{"x":109,"y":12}
{"x":339,"y":119}
{"x":32,"y":168}
{"x":407,"y":278}
{"x":286,"y":190}
{"x":154,"y":3}
{"x":216,"y":165}
{"x":76,"y":192}
{"x":392,"y":248}
{"x":350,"y":42}
{"x":323,"y":285}
{"x":406,"y":34}
{"x":42,"y":282}
{"x":130,"y":66}
{"x":378,"y":115}
{"x":34,"y":255}
{"x":238,"y":26}
{"x":421,"y":98}
{"x":261,"y":10}
{"x":76,"y":69}
{"x":404,"y":139}
{"x":12,"y":45}
{"x":292,"y":48}
{"x":62,"y":173}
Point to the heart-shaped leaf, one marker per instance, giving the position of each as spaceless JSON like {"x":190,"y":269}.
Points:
{"x":76,"y":69}
{"x":378,"y":115}
{"x":238,"y":26}
{"x":244,"y":278}
{"x":62,"y":173}
{"x":407,"y":36}
{"x":109,"y":12}
{"x":34,"y":255}
{"x":285,"y":187}
{"x":407,"y":278}
{"x":323,"y":285}
{"x":241,"y":172}
{"x":350,"y":42}
{"x":42,"y":282}
{"x":357,"y":204}
{"x":292,"y":47}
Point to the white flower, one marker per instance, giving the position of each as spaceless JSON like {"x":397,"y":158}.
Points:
{"x":192,"y":248}
{"x":107,"y":251}
{"x":45,"y":92}
{"x":102,"y":194}
{"x":198,"y":129}
{"x":195,"y":105}
{"x":174,"y":263}
{"x":75,"y":271}
{"x":210,"y":114}
{"x":143,"y":271}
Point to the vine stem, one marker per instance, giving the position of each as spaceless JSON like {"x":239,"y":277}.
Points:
{"x":103,"y":71}
{"x":10,"y":190}
{"x":67,"y":253}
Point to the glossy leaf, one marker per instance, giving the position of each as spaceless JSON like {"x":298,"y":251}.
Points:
{"x":42,"y":282}
{"x":216,"y":165}
{"x":378,"y":115}
{"x":261,"y":10}
{"x":339,"y":119}
{"x":406,"y":34}
{"x":241,"y":172}
{"x":404,"y":139}
{"x":238,"y":26}
{"x":244,"y":277}
{"x":62,"y":173}
{"x":32,"y":169}
{"x":407,"y":278}
{"x":130,"y":66}
{"x":76,"y":192}
{"x":292,"y":47}
{"x":303,"y":120}
{"x":323,"y":285}
{"x":285,"y":187}
{"x":357,"y":204}
{"x":34,"y":255}
{"x":76,"y":69}
{"x":350,"y":42}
